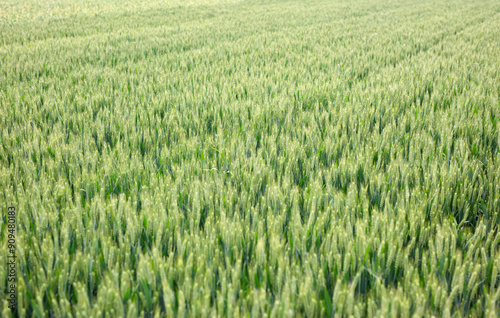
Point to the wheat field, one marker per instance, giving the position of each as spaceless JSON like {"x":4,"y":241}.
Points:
{"x":251,"y":158}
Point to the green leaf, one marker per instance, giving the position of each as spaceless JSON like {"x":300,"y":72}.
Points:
{"x":328,"y":304}
{"x":147,"y":294}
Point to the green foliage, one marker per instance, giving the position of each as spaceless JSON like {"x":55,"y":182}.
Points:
{"x":252,"y":158}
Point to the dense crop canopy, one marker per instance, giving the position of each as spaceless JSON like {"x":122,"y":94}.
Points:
{"x":262,"y":158}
